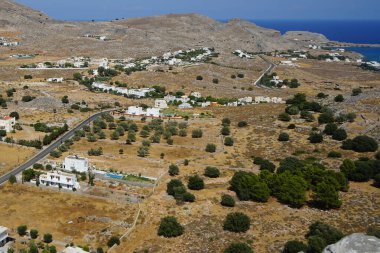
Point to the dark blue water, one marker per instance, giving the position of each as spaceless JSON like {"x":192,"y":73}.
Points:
{"x":353,"y":31}
{"x":369,"y":53}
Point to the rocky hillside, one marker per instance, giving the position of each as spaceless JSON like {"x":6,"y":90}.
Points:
{"x":140,"y":36}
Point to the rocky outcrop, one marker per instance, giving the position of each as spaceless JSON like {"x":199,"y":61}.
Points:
{"x":355,"y":243}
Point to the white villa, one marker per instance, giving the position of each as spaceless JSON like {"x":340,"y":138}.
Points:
{"x":73,"y":250}
{"x":76,"y":163}
{"x":55,"y":80}
{"x":139,"y":111}
{"x":185,"y":106}
{"x":262,"y":99}
{"x":196,"y":94}
{"x":7,"y":123}
{"x":56,"y":179}
{"x":245,"y":100}
{"x":139,"y":93}
{"x":153,"y":112}
{"x":265,"y":99}
{"x":135,"y":110}
{"x":160,"y":103}
{"x":3,"y":236}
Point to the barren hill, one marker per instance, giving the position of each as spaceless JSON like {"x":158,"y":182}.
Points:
{"x":137,"y":37}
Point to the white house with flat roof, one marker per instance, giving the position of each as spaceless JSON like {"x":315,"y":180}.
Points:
{"x":57,"y":179}
{"x":135,"y":110}
{"x":73,"y":250}
{"x":7,"y":123}
{"x":160,"y":103}
{"x":55,"y":80}
{"x":196,"y":94}
{"x":185,"y":106}
{"x":153,"y":112}
{"x":3,"y":236}
{"x":76,"y":163}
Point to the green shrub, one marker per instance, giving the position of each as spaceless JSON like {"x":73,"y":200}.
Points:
{"x":364,"y":143}
{"x":315,"y":137}
{"x":284,"y":117}
{"x":334,"y":154}
{"x":339,"y":98}
{"x":112,"y":241}
{"x":292,"y":126}
{"x":21,"y":230}
{"x":173,"y":170}
{"x":195,"y":183}
{"x":294,"y":247}
{"x":227,"y":200}
{"x":197,"y":133}
{"x":172,"y":184}
{"x":283,"y":137}
{"x":242,"y":124}
{"x":330,"y":128}
{"x":212,"y":172}
{"x":373,"y":231}
{"x":356,"y":91}
{"x":210,"y":148}
{"x":228,"y":141}
{"x":340,"y":135}
{"x":238,"y":248}
{"x":326,"y":196}
{"x":169,"y":227}
{"x":237,"y":222}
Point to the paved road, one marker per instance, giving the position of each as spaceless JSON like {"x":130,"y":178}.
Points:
{"x":269,"y":69}
{"x":46,"y":150}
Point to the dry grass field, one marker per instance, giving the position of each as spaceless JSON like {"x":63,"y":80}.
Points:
{"x":68,"y":217}
{"x":13,"y":155}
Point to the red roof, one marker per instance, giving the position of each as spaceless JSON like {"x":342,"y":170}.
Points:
{"x":7,"y":118}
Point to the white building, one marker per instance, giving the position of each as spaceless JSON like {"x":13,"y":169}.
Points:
{"x":73,"y":250}
{"x":185,"y":106}
{"x":135,"y":110}
{"x":160,"y":103}
{"x":76,"y":163}
{"x":262,"y":99}
{"x":56,"y":179}
{"x":153,"y":112}
{"x":3,"y":236}
{"x":276,"y":100}
{"x":140,"y":93}
{"x":7,"y":124}
{"x":245,"y":100}
{"x":55,"y":80}
{"x":205,"y":104}
{"x":196,"y":94}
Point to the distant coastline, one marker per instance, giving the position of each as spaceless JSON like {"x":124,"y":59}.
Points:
{"x":361,"y":36}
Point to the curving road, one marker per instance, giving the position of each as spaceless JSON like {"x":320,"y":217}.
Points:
{"x":46,"y":150}
{"x":267,"y":71}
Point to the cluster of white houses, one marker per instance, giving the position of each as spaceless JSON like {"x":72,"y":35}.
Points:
{"x":6,"y":43}
{"x":169,"y":58}
{"x":243,"y":54}
{"x":138,"y":93}
{"x":7,"y":123}
{"x":140,"y":111}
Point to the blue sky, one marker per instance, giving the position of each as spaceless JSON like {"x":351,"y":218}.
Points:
{"x":218,"y":9}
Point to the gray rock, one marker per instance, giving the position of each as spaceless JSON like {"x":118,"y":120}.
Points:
{"x":355,"y":243}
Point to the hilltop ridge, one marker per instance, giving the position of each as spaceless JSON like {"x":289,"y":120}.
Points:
{"x":139,"y":37}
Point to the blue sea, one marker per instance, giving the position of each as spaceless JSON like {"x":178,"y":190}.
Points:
{"x":353,"y":31}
